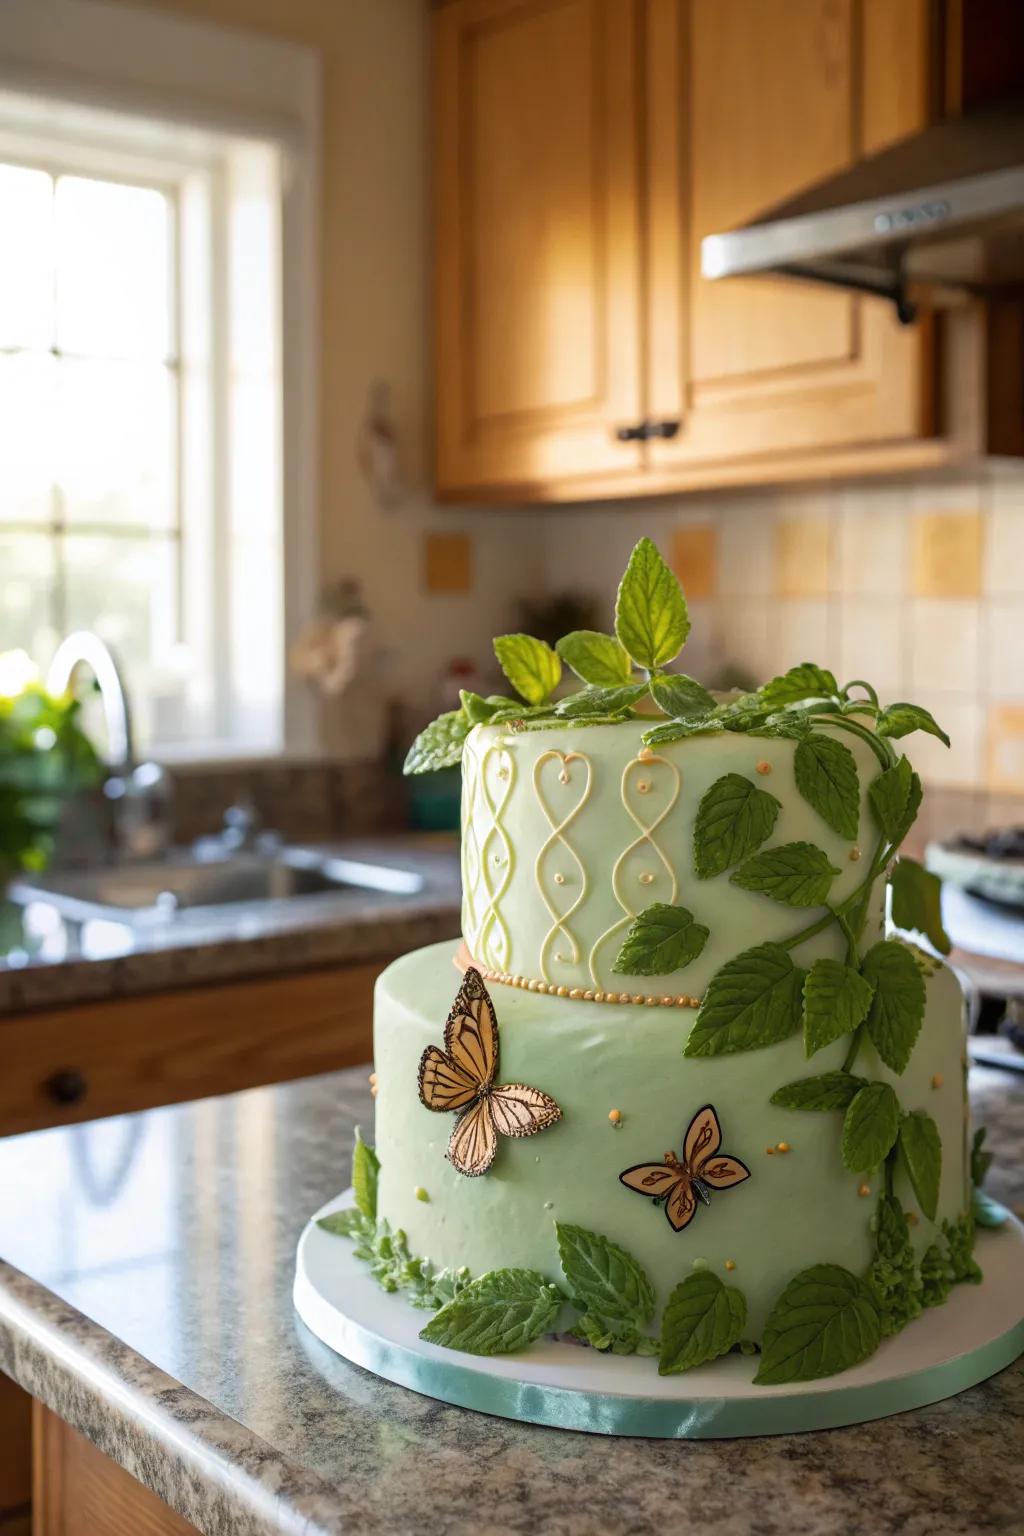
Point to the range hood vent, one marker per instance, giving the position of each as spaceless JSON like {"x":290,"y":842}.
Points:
{"x":935,"y":219}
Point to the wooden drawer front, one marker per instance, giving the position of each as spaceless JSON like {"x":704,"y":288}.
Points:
{"x":133,"y":1053}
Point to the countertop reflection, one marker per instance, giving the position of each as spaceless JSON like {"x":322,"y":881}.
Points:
{"x":165,"y":1243}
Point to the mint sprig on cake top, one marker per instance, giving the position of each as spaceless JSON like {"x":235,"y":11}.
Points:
{"x":675,"y":902}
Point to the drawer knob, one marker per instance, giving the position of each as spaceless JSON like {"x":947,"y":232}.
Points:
{"x":67,"y":1086}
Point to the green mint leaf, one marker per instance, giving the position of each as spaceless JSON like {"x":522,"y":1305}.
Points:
{"x":836,"y":1000}
{"x":754,"y":1000}
{"x":439,"y":745}
{"x":895,"y":798}
{"x":651,"y":620}
{"x":661,"y":940}
{"x":803,"y":682}
{"x":680,"y":696}
{"x":626,"y":1340}
{"x":678,"y":730}
{"x":832,"y":1090}
{"x":734,"y":818}
{"x":365,"y":1168}
{"x":479,"y":711}
{"x":893,"y":1277}
{"x":798,"y":874}
{"x":604,"y":1280}
{"x":595,"y":658}
{"x":531,"y":666}
{"x":498,"y":1314}
{"x":826,"y":776}
{"x":897,"y":1009}
{"x":703,"y":1319}
{"x":870,"y":1128}
{"x":981,"y":1161}
{"x":349,"y":1223}
{"x":921,"y":1150}
{"x":917,"y":902}
{"x":791,"y":725}
{"x":600,"y":701}
{"x":824,"y":1321}
{"x":986,"y":1211}
{"x":901,"y":719}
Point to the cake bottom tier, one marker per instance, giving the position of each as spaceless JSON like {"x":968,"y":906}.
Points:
{"x":798,"y":1207}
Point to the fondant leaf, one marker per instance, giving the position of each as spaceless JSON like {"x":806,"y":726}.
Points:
{"x":531,"y":666}
{"x":831,"y":1090}
{"x":981,"y":1161}
{"x":680,"y":696}
{"x":604,"y":1280}
{"x":703,"y":1319}
{"x":826,"y":776}
{"x":343,"y":1223}
{"x":651,"y":620}
{"x":439,"y":745}
{"x":921,"y":1150}
{"x":365,"y":1168}
{"x":836,"y":1000}
{"x":893,"y":1276}
{"x":895,"y":798}
{"x":501,"y":1312}
{"x":901,"y":719}
{"x":678,"y":730}
{"x":917,"y":902}
{"x":798,"y":874}
{"x":595,"y":658}
{"x":478,"y":710}
{"x":897,"y":1009}
{"x":733,"y":819}
{"x":754,"y":1000}
{"x":825,"y":1321}
{"x":600,"y":701}
{"x":661,"y":940}
{"x":870,"y":1128}
{"x":805,"y":681}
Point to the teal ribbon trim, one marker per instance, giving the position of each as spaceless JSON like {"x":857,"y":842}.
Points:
{"x":696,"y":1419}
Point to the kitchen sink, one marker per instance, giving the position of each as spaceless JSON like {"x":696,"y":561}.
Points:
{"x":186,"y":884}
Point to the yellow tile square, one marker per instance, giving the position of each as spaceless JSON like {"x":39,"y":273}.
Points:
{"x":694,"y":559}
{"x":1006,"y":748}
{"x":447,"y":562}
{"x":803,"y":550}
{"x":947,"y":550}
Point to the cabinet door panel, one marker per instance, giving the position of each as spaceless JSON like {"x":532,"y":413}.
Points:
{"x":537,"y":275}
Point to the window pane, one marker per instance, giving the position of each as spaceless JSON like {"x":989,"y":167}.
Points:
{"x":26,"y":257}
{"x":26,"y":563}
{"x":127,"y":591}
{"x":115,"y":443}
{"x":26,"y":438}
{"x":113,"y":269}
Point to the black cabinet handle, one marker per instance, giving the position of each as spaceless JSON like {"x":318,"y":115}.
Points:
{"x":644,"y":431}
{"x":67,"y":1086}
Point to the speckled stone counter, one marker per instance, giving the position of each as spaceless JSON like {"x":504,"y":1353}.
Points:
{"x":67,"y":964}
{"x":146,"y":1297}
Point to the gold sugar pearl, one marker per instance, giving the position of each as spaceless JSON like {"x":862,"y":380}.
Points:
{"x":638,"y":997}
{"x":854,"y":855}
{"x":730,"y":1264}
{"x":598,"y":997}
{"x":681,"y":1002}
{"x":563,"y":777}
{"x":937,"y":1080}
{"x":643,"y":787}
{"x":652,"y":1002}
{"x":770,"y":1151}
{"x":588,"y":995}
{"x":562,"y":991}
{"x":865,"y":1189}
{"x":575,"y":993}
{"x":646,"y":878}
{"x":667,"y":1002}
{"x":559,"y":879}
{"x":615,"y":1116}
{"x":764,"y":766}
{"x":373,"y":1077}
{"x":782,"y":1146}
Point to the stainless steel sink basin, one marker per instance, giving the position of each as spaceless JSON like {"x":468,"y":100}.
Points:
{"x":185,"y":885}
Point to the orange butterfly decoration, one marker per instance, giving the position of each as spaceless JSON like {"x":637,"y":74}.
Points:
{"x":680,"y":1183}
{"x":461,"y":1078}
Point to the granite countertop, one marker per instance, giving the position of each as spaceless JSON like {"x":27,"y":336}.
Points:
{"x":145,"y":1295}
{"x":46,"y":962}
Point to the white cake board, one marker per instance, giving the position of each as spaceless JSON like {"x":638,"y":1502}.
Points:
{"x":978,"y":1331}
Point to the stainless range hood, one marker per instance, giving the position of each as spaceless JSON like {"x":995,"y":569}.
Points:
{"x":934,"y":219}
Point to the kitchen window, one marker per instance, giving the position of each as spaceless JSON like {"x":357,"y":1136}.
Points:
{"x":141,"y":450}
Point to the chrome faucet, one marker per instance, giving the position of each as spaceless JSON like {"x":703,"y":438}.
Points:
{"x":140,"y":793}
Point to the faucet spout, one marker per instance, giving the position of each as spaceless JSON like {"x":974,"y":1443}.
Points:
{"x":83,"y":647}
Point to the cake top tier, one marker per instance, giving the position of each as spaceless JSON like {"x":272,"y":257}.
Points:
{"x":629,"y":836}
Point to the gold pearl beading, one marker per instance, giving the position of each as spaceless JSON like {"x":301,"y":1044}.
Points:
{"x":586,"y":994}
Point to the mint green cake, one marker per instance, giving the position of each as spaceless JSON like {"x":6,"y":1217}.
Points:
{"x":677,"y":1091}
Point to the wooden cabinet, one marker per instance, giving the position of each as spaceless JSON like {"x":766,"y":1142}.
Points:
{"x":583,"y":150}
{"x":78,"y":1491}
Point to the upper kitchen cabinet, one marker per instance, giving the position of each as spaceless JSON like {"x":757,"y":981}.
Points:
{"x":538,"y":270}
{"x":584,"y":148}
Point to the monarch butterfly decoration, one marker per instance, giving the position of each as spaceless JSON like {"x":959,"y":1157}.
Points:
{"x":680,"y":1183}
{"x":461,"y":1078}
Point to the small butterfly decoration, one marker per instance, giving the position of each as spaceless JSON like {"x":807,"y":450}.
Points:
{"x":680,"y":1183}
{"x":461,"y":1078}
